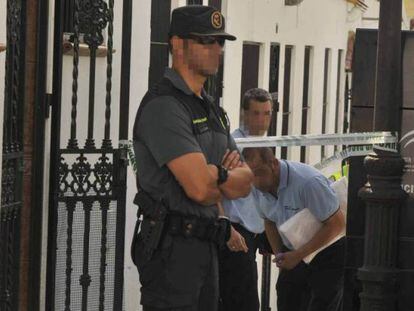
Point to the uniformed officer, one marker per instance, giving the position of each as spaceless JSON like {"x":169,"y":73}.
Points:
{"x":237,"y":262}
{"x":295,"y":186}
{"x":187,"y":162}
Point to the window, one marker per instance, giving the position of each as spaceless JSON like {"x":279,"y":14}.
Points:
{"x":286,"y":96}
{"x":325,"y":103}
{"x":274,"y":84}
{"x":159,"y":54}
{"x":305,"y":99}
{"x":69,"y":20}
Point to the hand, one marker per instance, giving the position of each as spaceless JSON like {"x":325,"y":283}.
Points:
{"x":288,"y":260}
{"x":231,"y":160}
{"x":236,"y":243}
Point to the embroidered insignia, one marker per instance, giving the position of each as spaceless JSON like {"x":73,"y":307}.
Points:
{"x":217,"y":20}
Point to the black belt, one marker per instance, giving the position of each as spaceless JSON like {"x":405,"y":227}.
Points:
{"x":214,"y":230}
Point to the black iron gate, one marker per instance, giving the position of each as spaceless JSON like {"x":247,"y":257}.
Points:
{"x":12,"y":172}
{"x":88,"y":168}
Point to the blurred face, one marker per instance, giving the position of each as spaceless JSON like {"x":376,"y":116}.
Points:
{"x":266,"y":175}
{"x":258,"y":117}
{"x":200,"y":54}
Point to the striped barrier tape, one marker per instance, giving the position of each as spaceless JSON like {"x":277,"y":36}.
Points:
{"x":363,"y":143}
{"x":330,"y":165}
{"x":368,"y":138}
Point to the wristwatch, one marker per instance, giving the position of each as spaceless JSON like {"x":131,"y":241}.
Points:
{"x":223,"y":174}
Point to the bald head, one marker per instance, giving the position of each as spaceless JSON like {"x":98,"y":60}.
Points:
{"x":264,"y":155}
{"x":264,"y":166}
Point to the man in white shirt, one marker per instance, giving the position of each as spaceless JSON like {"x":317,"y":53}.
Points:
{"x":238,"y":267}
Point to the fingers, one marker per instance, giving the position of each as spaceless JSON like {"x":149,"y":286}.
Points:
{"x":225,"y":156}
{"x":237,"y":244}
{"x":279,"y":258}
{"x":231,"y":159}
{"x":243,"y":245}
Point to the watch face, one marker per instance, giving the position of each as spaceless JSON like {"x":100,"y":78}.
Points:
{"x":222,"y":175}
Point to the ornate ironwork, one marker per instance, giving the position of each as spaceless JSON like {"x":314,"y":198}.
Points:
{"x":89,"y":198}
{"x":73,"y":143}
{"x":106,"y":143}
{"x":85,"y":279}
{"x":93,"y":18}
{"x":104,"y":232}
{"x":70,"y":209}
{"x":11,"y":191}
{"x":81,"y":179}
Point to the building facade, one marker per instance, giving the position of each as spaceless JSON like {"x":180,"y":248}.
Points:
{"x":297,"y":52}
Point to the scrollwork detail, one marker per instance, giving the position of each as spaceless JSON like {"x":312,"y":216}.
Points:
{"x":93,"y":19}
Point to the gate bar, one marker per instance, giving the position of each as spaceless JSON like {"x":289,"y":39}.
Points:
{"x":123,"y":134}
{"x":54,"y":152}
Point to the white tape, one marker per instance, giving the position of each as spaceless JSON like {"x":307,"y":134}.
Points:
{"x":352,"y":151}
{"x":318,"y":140}
{"x":362,"y":144}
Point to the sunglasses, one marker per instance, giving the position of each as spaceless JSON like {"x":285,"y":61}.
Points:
{"x":208,"y":40}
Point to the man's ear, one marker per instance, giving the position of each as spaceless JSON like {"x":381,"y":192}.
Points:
{"x":274,"y":164}
{"x":176,"y":44}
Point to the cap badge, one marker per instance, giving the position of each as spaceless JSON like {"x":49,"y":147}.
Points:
{"x":216,"y":20}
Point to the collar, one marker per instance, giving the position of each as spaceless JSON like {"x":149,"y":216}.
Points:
{"x":245,"y":132}
{"x":177,"y":81}
{"x":283,"y":175}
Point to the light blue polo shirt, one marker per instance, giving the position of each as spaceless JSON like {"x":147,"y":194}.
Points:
{"x":300,"y":186}
{"x":244,"y":211}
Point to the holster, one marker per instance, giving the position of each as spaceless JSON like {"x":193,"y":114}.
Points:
{"x":147,"y":232}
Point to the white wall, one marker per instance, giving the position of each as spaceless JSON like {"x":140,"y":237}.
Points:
{"x":305,"y":25}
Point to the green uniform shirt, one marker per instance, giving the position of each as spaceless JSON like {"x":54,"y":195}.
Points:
{"x":164,"y":132}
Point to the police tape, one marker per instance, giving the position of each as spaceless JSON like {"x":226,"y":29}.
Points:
{"x":362,"y":144}
{"x":368,"y":138}
{"x":352,"y":151}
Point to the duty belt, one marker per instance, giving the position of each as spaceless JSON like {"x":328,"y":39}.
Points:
{"x":217,"y":231}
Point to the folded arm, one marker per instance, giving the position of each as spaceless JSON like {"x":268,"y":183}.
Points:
{"x":238,"y":184}
{"x":198,"y":179}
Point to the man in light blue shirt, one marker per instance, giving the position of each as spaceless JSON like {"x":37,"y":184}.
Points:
{"x":296,"y":186}
{"x":238,"y":267}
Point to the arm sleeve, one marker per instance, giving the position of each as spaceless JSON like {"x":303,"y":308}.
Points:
{"x":165,"y":128}
{"x":320,"y":198}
